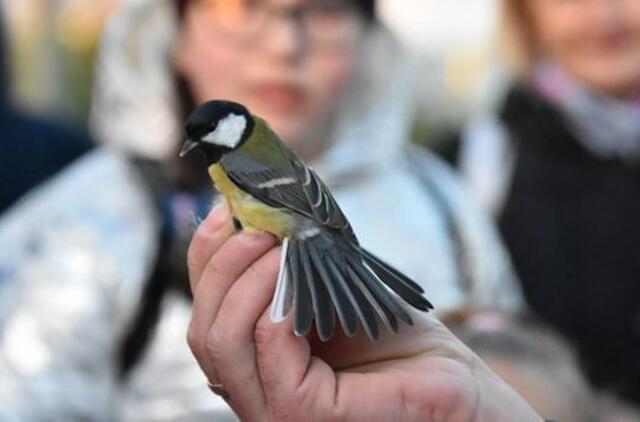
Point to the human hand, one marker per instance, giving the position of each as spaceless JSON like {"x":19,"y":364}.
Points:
{"x":422,"y":373}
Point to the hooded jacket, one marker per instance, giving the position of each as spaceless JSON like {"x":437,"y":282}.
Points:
{"x":568,"y":213}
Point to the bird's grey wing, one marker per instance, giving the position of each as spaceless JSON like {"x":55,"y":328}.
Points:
{"x":326,"y":273}
{"x":293,"y":186}
{"x":323,"y":205}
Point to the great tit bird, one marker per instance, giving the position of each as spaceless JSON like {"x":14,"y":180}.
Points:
{"x":323,"y":270}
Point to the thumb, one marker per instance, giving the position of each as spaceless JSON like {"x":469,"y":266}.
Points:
{"x":290,"y":375}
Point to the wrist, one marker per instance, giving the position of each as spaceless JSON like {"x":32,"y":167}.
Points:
{"x":498,"y":401}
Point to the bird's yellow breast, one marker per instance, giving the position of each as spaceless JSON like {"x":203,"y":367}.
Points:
{"x":253,"y":214}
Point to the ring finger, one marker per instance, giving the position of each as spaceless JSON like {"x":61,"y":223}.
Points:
{"x":222,"y":270}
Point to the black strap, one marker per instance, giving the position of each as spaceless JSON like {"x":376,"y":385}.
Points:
{"x":162,"y":278}
{"x":147,"y":315}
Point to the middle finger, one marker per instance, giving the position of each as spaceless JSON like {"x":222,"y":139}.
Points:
{"x":231,"y":342}
{"x":222,"y":270}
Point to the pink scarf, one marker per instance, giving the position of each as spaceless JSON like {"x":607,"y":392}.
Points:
{"x":607,"y":127}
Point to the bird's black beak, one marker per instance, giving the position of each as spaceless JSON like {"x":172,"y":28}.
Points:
{"x":188,"y":146}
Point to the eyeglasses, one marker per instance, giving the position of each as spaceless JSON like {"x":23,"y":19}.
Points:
{"x":326,"y":22}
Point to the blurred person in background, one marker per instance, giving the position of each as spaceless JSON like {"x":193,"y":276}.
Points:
{"x":94,"y":295}
{"x":533,"y":360}
{"x":539,"y":364}
{"x":33,"y":149}
{"x":559,"y":166}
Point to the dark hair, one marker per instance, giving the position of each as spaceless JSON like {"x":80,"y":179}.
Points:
{"x":368,"y":7}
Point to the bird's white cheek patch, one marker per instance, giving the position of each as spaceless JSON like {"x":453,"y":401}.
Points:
{"x":229,"y":131}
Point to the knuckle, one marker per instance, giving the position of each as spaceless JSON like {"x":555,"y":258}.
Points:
{"x":264,"y":333}
{"x":214,"y":338}
{"x":193,"y":260}
{"x":214,"y":348}
{"x":193,"y":339}
{"x":194,"y":247}
{"x":220,"y":340}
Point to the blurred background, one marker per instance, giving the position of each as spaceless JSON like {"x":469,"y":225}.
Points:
{"x":519,"y":218}
{"x":53,"y":44}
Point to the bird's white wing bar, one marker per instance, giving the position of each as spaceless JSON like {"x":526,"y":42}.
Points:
{"x":280,"y":181}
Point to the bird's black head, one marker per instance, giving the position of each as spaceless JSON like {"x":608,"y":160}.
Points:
{"x":217,"y":127}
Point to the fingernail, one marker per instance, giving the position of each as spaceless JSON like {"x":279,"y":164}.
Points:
{"x":218,"y":217}
{"x":254,"y":236}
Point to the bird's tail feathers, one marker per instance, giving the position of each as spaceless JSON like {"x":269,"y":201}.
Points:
{"x":402,"y":285}
{"x":324,"y":275}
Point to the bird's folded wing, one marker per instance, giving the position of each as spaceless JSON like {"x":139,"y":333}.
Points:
{"x":293,"y":186}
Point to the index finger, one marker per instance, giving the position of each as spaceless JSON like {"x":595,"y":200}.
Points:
{"x":207,"y":239}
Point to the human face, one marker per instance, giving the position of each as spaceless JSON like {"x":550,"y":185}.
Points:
{"x":289,"y":68}
{"x":596,"y":41}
